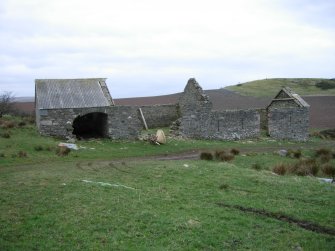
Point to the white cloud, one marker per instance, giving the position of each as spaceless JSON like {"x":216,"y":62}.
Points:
{"x":152,"y":47}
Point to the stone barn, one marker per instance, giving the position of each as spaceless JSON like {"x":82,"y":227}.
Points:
{"x":288,"y":116}
{"x":83,"y":108}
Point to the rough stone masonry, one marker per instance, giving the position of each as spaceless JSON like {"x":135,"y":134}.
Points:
{"x":84,"y":107}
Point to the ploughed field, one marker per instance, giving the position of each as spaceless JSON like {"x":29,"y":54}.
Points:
{"x":322,"y":111}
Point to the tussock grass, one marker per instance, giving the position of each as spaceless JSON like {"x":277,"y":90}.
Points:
{"x":206,"y":156}
{"x":280,"y":169}
{"x":171,"y":208}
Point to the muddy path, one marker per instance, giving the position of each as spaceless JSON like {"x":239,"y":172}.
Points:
{"x":194,"y":154}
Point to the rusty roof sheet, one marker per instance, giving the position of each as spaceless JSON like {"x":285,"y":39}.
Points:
{"x":70,"y":93}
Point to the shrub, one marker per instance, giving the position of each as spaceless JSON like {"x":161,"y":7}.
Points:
{"x":256,"y":166}
{"x":21,"y":124}
{"x":63,"y":151}
{"x":325,"y":158}
{"x":5,"y":135}
{"x":219,"y":153}
{"x":8,"y":124}
{"x":329,"y":169}
{"x":22,"y":154}
{"x":2,"y":155}
{"x":297,"y":154}
{"x":38,"y":148}
{"x":228,"y":157}
{"x":206,"y":156}
{"x":279,"y":169}
{"x":223,"y":186}
{"x":235,"y":151}
{"x":322,"y":151}
{"x":49,"y":148}
{"x":305,"y":167}
{"x":326,"y":84}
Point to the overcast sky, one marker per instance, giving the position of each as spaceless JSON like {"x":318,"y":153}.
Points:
{"x":152,"y":47}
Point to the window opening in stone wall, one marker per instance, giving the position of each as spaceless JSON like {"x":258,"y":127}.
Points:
{"x":91,"y":125}
{"x":218,"y":125}
{"x":242,"y":123}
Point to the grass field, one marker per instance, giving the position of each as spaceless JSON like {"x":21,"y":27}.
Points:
{"x":110,"y":196}
{"x":270,"y":87}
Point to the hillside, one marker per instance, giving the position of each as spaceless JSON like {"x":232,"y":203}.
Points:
{"x":270,"y":87}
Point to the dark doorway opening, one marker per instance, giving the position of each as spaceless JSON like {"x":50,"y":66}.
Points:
{"x":91,"y":125}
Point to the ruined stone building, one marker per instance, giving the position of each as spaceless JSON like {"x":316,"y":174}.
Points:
{"x":85,"y":108}
{"x":288,"y":116}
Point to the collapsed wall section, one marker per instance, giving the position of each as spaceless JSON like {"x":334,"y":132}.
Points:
{"x":226,"y":125}
{"x":160,"y":115}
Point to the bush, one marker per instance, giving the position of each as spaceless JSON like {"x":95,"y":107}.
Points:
{"x":256,"y":166}
{"x":2,"y":155}
{"x":219,"y":153}
{"x":294,"y":153}
{"x":206,"y":156}
{"x":22,"y":154}
{"x":5,"y":135}
{"x":279,"y":169}
{"x":329,"y":169}
{"x":305,"y":167}
{"x":63,"y":151}
{"x":21,"y":124}
{"x":8,"y":124}
{"x":297,"y":154}
{"x":223,"y":156}
{"x":326,"y":84}
{"x":38,"y":148}
{"x":325,"y":158}
{"x":223,"y":186}
{"x":49,"y":148}
{"x":322,"y":151}
{"x":235,"y":151}
{"x":228,"y":157}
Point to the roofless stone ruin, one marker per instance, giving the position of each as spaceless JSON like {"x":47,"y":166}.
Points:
{"x":84,"y":108}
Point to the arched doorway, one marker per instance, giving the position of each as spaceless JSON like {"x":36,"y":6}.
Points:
{"x":91,"y":125}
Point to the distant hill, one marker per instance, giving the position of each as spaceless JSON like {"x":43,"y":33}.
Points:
{"x":270,"y":87}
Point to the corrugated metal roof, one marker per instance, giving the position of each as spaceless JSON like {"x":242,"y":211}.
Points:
{"x":70,"y":93}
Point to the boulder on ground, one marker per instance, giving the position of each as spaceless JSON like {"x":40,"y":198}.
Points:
{"x":161,"y":139}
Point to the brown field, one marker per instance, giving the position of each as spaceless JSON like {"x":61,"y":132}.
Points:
{"x":322,"y":111}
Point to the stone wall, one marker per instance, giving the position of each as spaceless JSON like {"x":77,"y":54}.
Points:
{"x":160,"y":115}
{"x":123,"y":121}
{"x":288,"y":123}
{"x":227,"y":125}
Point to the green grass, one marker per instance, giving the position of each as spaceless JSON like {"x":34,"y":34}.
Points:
{"x":174,"y":207}
{"x":27,"y":139}
{"x":270,"y":87}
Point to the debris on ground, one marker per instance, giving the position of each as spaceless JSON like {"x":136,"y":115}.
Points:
{"x":68,"y":145}
{"x":107,"y":184}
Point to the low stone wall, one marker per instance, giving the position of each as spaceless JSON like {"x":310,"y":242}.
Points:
{"x":160,"y":115}
{"x":288,"y":123}
{"x":226,"y":125}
